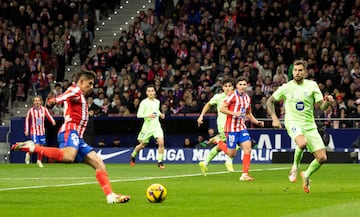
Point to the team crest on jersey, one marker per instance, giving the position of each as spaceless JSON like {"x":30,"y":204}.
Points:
{"x":294,"y":129}
{"x":300,"y":106}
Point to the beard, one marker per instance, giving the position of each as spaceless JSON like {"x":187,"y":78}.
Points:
{"x":299,"y":79}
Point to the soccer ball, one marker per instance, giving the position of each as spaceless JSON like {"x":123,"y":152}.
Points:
{"x":156,"y":193}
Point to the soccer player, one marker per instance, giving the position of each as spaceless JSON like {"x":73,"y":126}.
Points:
{"x":237,"y":107}
{"x":149,"y":109}
{"x":299,"y":97}
{"x":70,"y":137}
{"x":220,"y":139}
{"x":35,"y":126}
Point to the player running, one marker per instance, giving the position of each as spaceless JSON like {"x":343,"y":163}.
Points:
{"x":299,"y":97}
{"x":237,"y":107}
{"x":220,"y":139}
{"x":70,"y":137}
{"x":149,"y":109}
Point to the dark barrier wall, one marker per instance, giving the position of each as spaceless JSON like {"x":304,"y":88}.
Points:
{"x":4,"y":130}
{"x":176,"y":129}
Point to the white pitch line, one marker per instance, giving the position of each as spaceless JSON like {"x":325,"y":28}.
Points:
{"x":126,"y":180}
{"x":46,"y":178}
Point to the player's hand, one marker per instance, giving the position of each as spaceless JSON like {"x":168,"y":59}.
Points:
{"x":51,"y":101}
{"x":54,"y":123}
{"x":153,"y":115}
{"x":162,"y":116}
{"x":26,"y":133}
{"x":200,"y":121}
{"x":261,"y":123}
{"x":276,"y":124}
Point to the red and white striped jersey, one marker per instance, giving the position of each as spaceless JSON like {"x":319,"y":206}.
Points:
{"x":75,"y":110}
{"x":237,"y":102}
{"x":35,"y":119}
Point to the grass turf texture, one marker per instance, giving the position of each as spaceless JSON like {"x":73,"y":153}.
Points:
{"x":72,"y":190}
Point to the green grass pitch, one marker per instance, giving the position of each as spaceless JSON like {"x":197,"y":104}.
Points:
{"x":67,"y":190}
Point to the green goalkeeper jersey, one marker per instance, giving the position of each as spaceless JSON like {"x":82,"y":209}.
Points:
{"x":217,"y":100}
{"x":299,"y":100}
{"x":147,"y":107}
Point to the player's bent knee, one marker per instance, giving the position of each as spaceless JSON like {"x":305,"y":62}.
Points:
{"x":322,"y":159}
{"x":68,"y":159}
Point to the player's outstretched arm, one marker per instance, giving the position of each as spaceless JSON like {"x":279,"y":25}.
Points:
{"x":271,"y":111}
{"x":206,"y":108}
{"x":251,"y":117}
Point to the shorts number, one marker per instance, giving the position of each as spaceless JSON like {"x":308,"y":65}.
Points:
{"x":231,"y":138}
{"x":75,"y":139}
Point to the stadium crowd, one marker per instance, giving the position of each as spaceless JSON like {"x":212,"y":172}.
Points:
{"x":185,"y":50}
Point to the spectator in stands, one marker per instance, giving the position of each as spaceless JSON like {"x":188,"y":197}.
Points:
{"x":115,"y":106}
{"x":356,"y":123}
{"x":116,"y":142}
{"x":285,"y":35}
{"x":258,"y":110}
{"x":42,"y":83}
{"x":57,"y":48}
{"x":99,"y":101}
{"x":201,"y":142}
{"x":4,"y":97}
{"x":70,"y":48}
{"x":102,"y":144}
{"x":124,"y":111}
{"x":105,"y":107}
{"x":188,"y":143}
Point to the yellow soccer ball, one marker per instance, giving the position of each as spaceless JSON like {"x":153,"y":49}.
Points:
{"x":156,"y":193}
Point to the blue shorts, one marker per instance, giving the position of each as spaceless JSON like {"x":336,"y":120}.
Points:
{"x":41,"y":140}
{"x":235,"y":138}
{"x":71,"y":139}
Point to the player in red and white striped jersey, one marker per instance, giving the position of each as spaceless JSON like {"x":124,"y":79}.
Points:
{"x":70,"y":137}
{"x":75,"y":110}
{"x":35,"y":126}
{"x":237,"y":107}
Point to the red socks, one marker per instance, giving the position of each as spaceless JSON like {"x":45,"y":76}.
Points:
{"x":246,"y":163}
{"x":104,"y":182}
{"x":39,"y":156}
{"x":223,"y":146}
{"x":54,"y":153}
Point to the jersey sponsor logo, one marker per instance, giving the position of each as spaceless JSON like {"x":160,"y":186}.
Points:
{"x":300,"y":106}
{"x":111,"y":155}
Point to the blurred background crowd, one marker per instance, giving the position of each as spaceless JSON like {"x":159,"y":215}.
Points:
{"x":185,"y":48}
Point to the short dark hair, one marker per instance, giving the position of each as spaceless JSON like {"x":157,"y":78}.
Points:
{"x":85,"y":73}
{"x":227,"y":80}
{"x":150,"y":86}
{"x":241,"y":78}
